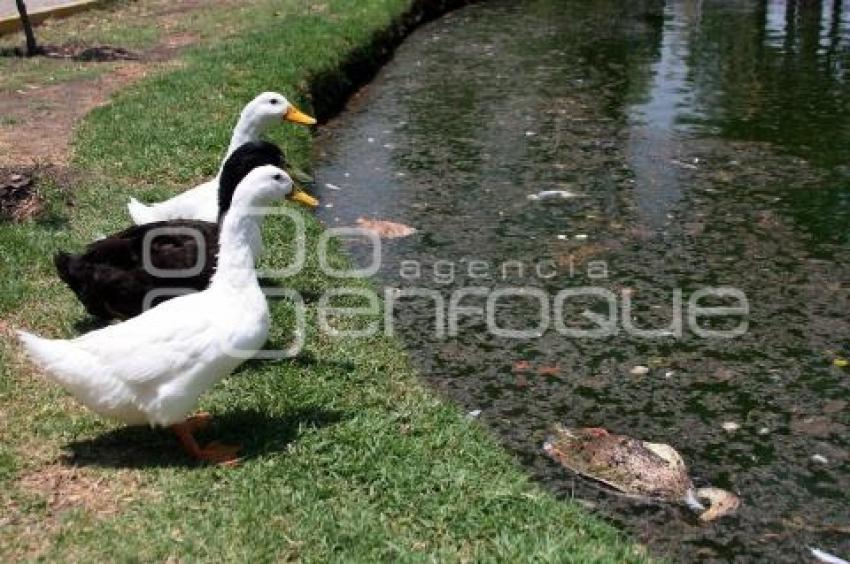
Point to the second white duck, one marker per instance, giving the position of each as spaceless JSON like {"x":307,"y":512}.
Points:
{"x":201,"y":202}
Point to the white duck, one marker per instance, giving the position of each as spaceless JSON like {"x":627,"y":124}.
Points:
{"x":153,"y":368}
{"x":201,"y":202}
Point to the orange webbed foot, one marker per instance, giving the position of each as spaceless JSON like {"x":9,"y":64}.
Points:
{"x":214,"y":453}
{"x":199,"y":422}
{"x":220,"y":453}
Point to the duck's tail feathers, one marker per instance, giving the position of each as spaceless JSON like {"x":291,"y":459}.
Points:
{"x":52,"y":355}
{"x":140,"y":212}
{"x":76,"y":370}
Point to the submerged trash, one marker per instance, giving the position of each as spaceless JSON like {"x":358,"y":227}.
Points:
{"x":730,"y":426}
{"x":385,"y":229}
{"x":823,"y":556}
{"x":720,"y":503}
{"x":635,"y":468}
{"x":552,"y":195}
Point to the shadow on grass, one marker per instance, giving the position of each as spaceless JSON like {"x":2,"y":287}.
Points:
{"x":142,"y":447}
{"x":89,"y":323}
{"x":304,"y":359}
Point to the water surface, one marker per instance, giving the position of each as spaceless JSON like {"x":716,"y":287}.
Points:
{"x":708,"y":145}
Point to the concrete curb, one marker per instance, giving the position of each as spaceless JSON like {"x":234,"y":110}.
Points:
{"x":13,"y":23}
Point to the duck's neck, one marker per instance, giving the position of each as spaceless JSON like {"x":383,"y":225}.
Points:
{"x":246,"y":130}
{"x":237,"y":233}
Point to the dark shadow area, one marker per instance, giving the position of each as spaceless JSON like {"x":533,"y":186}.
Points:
{"x":142,"y":447}
{"x":304,"y":359}
{"x":308,"y":295}
{"x":89,"y":323}
{"x":331,"y":89}
{"x":76,"y":52}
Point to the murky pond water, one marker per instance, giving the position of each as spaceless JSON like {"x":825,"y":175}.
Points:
{"x":707,"y":145}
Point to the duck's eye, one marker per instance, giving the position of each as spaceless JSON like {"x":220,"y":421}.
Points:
{"x":278,"y":177}
{"x":274,"y":102}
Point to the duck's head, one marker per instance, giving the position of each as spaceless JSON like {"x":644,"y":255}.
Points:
{"x":246,"y":158}
{"x":270,"y":107}
{"x":265,"y":185}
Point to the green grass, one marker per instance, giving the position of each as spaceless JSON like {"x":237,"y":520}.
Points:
{"x":347,"y":456}
{"x":137,"y":26}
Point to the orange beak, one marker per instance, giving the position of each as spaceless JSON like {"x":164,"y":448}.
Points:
{"x":295,"y":115}
{"x":303,"y":198}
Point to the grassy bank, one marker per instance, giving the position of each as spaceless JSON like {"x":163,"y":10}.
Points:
{"x":347,"y":456}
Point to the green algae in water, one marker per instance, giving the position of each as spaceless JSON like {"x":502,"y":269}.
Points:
{"x":709,"y":145}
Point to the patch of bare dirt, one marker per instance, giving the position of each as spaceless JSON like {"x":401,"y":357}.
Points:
{"x":20,"y":196}
{"x":39,"y":120}
{"x":69,"y":487}
{"x":43,"y":118}
{"x":27,"y":536}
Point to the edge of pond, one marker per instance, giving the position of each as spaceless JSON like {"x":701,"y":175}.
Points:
{"x":331,"y":89}
{"x":573,"y":527}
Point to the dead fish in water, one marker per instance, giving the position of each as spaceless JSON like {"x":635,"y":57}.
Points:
{"x":385,"y":229}
{"x":635,"y":468}
{"x":546,"y":195}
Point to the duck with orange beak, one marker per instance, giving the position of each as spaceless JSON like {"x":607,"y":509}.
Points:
{"x":200,"y":202}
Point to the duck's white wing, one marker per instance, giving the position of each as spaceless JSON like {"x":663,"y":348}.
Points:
{"x":163,"y":342}
{"x":201,"y":202}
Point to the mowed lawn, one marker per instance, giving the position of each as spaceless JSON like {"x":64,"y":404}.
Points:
{"x":347,"y":456}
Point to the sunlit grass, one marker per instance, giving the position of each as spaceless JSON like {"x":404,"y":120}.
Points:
{"x":347,"y":456}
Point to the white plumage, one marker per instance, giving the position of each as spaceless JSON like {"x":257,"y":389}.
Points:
{"x":153,"y":368}
{"x":201,"y":202}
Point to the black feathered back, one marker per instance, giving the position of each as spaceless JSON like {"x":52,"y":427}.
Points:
{"x":110,"y":277}
{"x":244,"y":159}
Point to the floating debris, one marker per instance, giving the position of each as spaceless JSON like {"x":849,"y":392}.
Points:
{"x":474,"y":414}
{"x":385,"y":229}
{"x":580,"y":236}
{"x":841,"y":362}
{"x":639,"y":371}
{"x":720,"y":503}
{"x":730,"y":426}
{"x":819,"y":459}
{"x":826,"y":557}
{"x":330,"y":186}
{"x":688,"y":166}
{"x":552,"y":195}
{"x":550,"y":371}
{"x":635,"y":468}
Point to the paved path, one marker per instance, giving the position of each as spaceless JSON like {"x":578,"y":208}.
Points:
{"x":8,"y":7}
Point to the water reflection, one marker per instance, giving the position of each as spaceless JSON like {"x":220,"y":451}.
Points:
{"x":708,"y":142}
{"x":652,"y":146}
